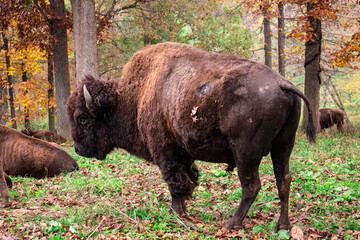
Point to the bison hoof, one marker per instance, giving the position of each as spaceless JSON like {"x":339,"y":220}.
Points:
{"x":282,"y":226}
{"x":231,"y":226}
{"x":5,"y":205}
{"x":187,"y":217}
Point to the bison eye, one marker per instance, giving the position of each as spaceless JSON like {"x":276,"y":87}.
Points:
{"x":83,"y":120}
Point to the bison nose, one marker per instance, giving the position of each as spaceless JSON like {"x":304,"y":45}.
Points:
{"x":75,"y":166}
{"x":76,"y":149}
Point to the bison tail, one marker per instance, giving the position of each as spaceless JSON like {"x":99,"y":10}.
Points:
{"x":310,"y":130}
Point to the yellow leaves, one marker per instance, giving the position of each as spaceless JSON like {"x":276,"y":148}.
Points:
{"x":30,"y":59}
{"x":11,"y":71}
{"x":352,"y":86}
{"x":32,"y":96}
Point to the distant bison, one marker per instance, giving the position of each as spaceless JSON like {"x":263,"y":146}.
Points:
{"x":45,"y":135}
{"x":21,"y":155}
{"x":330,"y":116}
{"x":174,"y":104}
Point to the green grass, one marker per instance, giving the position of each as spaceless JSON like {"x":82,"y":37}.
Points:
{"x":125,"y":197}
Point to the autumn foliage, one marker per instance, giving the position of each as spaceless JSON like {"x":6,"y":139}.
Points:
{"x":126,"y":26}
{"x":25,"y":24}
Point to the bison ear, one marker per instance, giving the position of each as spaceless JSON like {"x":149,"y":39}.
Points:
{"x":88,"y":99}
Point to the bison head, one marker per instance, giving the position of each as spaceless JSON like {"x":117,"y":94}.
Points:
{"x":89,"y":110}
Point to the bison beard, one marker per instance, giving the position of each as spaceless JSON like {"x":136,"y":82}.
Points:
{"x":174,"y":104}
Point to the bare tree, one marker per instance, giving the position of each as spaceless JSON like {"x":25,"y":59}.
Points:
{"x":61,"y":65}
{"x":281,"y":38}
{"x":86,"y":54}
{"x":10,"y":82}
{"x":312,"y":66}
{"x":51,"y":109}
{"x":267,"y":35}
{"x":26,"y":109}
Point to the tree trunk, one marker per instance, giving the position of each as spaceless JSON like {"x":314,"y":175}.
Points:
{"x":3,"y":104}
{"x":312,"y":67}
{"x":86,"y":54}
{"x":10,"y":83}
{"x":61,"y":66}
{"x":281,"y":38}
{"x":3,"y":107}
{"x":51,"y":109}
{"x":26,"y":109}
{"x":267,"y":37}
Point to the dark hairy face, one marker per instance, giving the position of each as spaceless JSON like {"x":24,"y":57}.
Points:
{"x":89,"y":123}
{"x":89,"y":135}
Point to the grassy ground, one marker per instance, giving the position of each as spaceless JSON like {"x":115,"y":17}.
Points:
{"x":124,"y":197}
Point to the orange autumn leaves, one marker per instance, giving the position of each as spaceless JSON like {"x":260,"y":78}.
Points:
{"x":32,"y":94}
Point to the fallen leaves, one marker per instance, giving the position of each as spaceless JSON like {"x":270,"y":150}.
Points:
{"x":297,"y":233}
{"x":224,"y":233}
{"x":133,"y":201}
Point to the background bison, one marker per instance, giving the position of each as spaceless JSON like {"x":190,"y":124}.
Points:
{"x":329,"y":117}
{"x":45,"y":135}
{"x":175,"y":104}
{"x":21,"y":155}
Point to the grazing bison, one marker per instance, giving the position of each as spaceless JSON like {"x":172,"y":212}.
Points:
{"x":45,"y":135}
{"x":330,"y":116}
{"x":174,"y":104}
{"x":21,"y":155}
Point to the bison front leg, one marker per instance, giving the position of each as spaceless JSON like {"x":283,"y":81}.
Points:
{"x":4,"y":189}
{"x":339,"y":126}
{"x":8,"y":181}
{"x":182,"y":178}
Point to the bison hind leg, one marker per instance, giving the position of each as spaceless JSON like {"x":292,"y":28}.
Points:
{"x":248,"y":170}
{"x":280,"y":154}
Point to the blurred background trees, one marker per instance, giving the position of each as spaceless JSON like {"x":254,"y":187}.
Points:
{"x":282,"y":34}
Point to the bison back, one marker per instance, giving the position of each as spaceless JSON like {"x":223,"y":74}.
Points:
{"x":30,"y":157}
{"x":196,"y":100}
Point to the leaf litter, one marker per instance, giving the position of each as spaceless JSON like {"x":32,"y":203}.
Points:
{"x":125,"y":198}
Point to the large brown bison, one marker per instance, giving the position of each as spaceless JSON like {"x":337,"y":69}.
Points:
{"x":330,"y":116}
{"x":21,"y":155}
{"x":48,"y":136}
{"x":174,"y":104}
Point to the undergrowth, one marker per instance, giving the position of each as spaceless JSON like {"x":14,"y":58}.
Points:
{"x":124,"y":197}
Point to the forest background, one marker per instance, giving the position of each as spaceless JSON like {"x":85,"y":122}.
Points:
{"x":247,"y":29}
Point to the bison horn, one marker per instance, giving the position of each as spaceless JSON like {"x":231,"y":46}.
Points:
{"x":88,"y":99}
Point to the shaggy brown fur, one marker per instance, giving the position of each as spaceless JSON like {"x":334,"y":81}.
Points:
{"x":45,"y":135}
{"x":21,"y":155}
{"x":175,"y":104}
{"x":330,"y":116}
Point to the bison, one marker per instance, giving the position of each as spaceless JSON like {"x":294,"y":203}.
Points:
{"x":330,"y":116}
{"x":48,"y":136}
{"x":25,"y":156}
{"x":175,"y":104}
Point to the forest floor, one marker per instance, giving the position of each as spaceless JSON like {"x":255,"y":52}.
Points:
{"x":124,"y":197}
